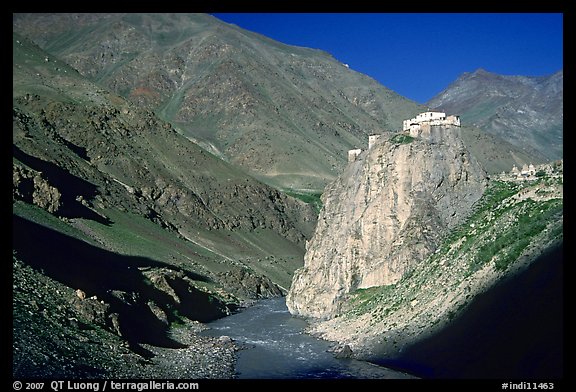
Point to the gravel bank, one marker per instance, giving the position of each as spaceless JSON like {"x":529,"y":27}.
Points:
{"x":50,"y":340}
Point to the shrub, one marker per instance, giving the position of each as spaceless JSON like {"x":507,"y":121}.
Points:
{"x":401,"y":139}
{"x":309,"y":198}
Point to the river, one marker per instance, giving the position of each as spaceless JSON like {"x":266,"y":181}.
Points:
{"x":277,"y":347}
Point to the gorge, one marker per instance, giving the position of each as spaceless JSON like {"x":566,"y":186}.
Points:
{"x":171,"y":170}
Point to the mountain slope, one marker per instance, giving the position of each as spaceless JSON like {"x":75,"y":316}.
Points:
{"x":495,"y":154}
{"x":66,"y":125}
{"x":153,"y":229}
{"x":286,"y":114}
{"x":132,"y":228}
{"x":526,"y":111}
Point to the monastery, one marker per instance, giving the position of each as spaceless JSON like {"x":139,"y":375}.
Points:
{"x":415,"y":126}
{"x":425,"y":120}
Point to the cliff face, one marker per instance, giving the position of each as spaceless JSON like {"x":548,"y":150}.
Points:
{"x":387,"y":212}
{"x":462,"y":310}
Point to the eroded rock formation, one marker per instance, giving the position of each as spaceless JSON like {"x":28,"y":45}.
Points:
{"x":387,"y":212}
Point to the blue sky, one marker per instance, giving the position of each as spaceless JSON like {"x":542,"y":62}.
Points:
{"x":418,"y":55}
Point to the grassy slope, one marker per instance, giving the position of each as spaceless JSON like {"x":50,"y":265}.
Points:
{"x":495,"y":236}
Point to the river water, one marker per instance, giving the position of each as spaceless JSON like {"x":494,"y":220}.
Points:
{"x":277,"y":348}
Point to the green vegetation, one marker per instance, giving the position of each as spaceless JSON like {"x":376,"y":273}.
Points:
{"x":129,"y":234}
{"x":531,"y":219}
{"x":310,"y":198}
{"x":491,"y":202}
{"x":42,"y":217}
{"x":365,"y":300}
{"x":401,"y":139}
{"x":135,"y":235}
{"x":494,"y":194}
{"x":532,"y":222}
{"x":178,"y":321}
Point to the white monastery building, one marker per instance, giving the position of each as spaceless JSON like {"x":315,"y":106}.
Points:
{"x":417,"y":127}
{"x":372,"y":140}
{"x":428,"y":119}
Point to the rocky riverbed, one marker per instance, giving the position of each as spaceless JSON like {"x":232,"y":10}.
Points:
{"x":52,"y":340}
{"x":204,"y":357}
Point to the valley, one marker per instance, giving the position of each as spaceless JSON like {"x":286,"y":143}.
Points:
{"x":171,"y":170}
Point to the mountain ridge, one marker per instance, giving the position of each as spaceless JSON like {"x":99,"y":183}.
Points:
{"x":286,"y":114}
{"x":255,"y":102}
{"x":523,"y":110}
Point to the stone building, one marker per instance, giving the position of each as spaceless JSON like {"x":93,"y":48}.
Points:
{"x":372,"y":140}
{"x":353,"y":154}
{"x":528,"y":172}
{"x":428,"y":119}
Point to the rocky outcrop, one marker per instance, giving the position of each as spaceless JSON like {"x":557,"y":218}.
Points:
{"x":32,"y":187}
{"x":387,"y":212}
{"x":246,"y":284}
{"x":183,"y":294}
{"x":454,"y":301}
{"x":55,"y":333}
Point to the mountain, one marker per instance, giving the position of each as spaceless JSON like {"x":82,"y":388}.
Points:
{"x":418,"y":259}
{"x":525,"y":111}
{"x":167,"y":171}
{"x":123,"y":228}
{"x":286,"y":114}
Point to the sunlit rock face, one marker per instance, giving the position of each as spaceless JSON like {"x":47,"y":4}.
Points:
{"x":384,"y":214}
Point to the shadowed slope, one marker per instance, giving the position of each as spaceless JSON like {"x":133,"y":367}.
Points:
{"x":513,"y":331}
{"x":99,"y":272}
